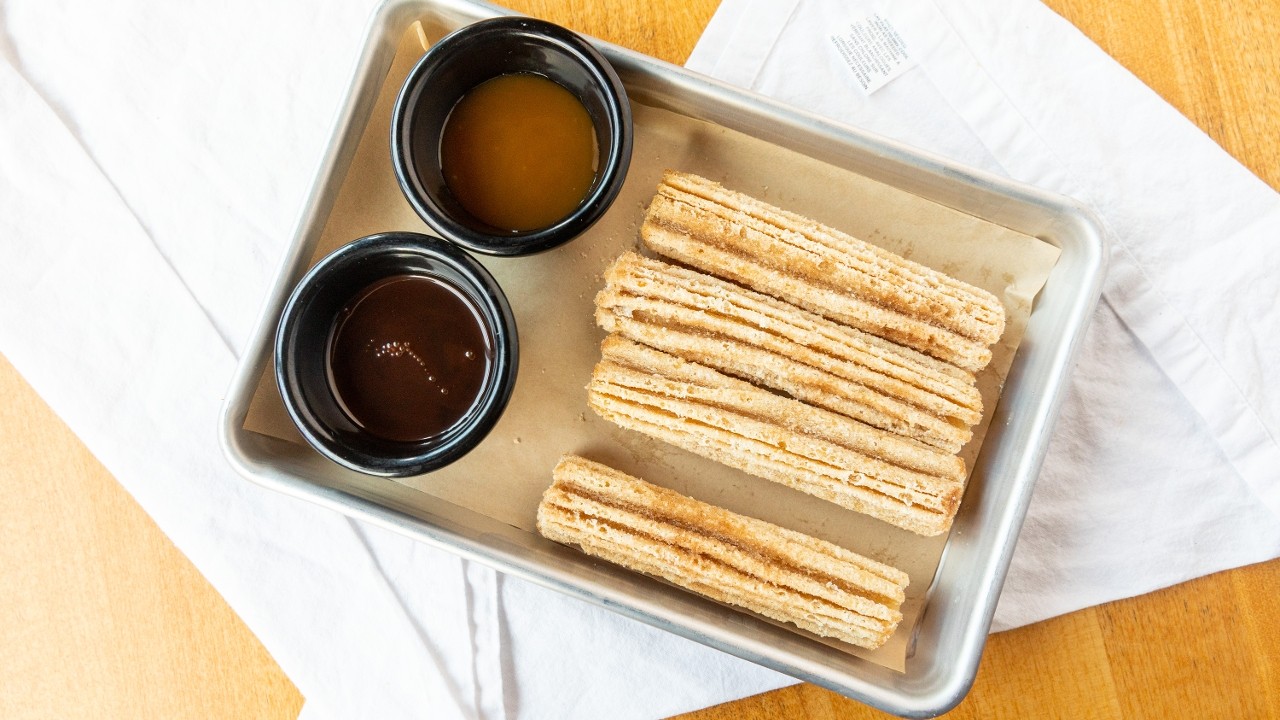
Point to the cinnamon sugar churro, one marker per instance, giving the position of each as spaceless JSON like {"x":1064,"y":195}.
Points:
{"x":697,"y":222}
{"x":777,"y":345}
{"x":779,"y":573}
{"x":824,"y":454}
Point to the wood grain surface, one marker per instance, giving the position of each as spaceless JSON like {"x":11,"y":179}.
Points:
{"x":101,"y":617}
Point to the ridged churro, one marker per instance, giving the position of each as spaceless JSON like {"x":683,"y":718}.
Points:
{"x":775,"y":344}
{"x":779,"y":573}
{"x":782,"y":254}
{"x":824,"y":454}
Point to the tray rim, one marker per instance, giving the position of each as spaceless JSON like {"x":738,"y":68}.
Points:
{"x":925,"y":689}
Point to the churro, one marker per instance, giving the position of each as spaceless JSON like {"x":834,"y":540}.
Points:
{"x":779,"y":253}
{"x":777,"y":345}
{"x":825,"y":454}
{"x":731,"y":558}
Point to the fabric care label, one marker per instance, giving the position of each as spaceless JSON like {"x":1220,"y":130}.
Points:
{"x":873,"y":51}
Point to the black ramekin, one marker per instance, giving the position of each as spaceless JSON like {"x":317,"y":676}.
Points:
{"x":302,"y":351}
{"x":482,"y":51}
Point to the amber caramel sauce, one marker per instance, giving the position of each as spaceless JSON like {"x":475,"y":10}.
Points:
{"x":408,"y":358}
{"x":519,"y":152}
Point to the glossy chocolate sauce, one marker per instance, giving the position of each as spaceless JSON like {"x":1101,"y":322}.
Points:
{"x":408,"y":357}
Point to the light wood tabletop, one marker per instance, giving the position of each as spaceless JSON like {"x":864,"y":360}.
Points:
{"x":101,"y":617}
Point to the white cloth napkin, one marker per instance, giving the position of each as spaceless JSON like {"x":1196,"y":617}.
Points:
{"x":153,"y":157}
{"x":1165,"y":464}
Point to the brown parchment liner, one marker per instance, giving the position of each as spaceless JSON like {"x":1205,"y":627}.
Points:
{"x":551,"y":295}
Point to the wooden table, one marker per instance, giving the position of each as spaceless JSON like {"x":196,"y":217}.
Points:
{"x":100,"y":616}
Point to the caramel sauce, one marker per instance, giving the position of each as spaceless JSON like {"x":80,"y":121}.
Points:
{"x":519,"y":152}
{"x":408,"y":358}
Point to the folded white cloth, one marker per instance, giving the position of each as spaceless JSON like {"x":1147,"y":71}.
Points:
{"x":1165,"y":464}
{"x":153,"y":156}
{"x":152,"y":160}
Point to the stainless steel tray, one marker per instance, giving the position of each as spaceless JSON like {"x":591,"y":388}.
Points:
{"x":948,"y":641}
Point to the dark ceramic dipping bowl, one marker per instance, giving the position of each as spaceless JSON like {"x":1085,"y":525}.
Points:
{"x":307,"y":326}
{"x":482,"y":51}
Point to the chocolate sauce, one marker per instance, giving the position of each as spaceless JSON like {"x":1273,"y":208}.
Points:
{"x":408,"y":357}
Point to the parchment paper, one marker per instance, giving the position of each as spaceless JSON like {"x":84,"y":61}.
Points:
{"x":551,"y":295}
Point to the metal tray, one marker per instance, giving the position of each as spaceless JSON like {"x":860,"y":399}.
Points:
{"x":949,"y":639}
